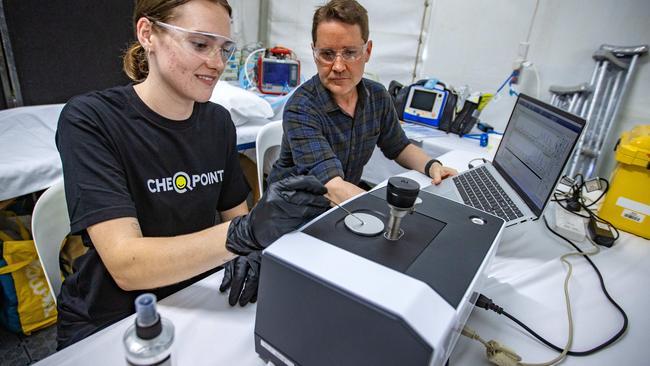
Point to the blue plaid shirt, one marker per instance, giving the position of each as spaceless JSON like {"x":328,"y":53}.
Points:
{"x":320,"y":139}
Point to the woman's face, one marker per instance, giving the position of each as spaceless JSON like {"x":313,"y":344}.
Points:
{"x":176,"y":55}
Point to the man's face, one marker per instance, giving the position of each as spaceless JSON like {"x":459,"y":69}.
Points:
{"x":341,"y":76}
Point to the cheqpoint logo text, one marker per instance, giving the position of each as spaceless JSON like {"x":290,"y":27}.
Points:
{"x":181,"y":182}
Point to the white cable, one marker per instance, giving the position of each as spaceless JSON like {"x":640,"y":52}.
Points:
{"x":522,"y":52}
{"x":504,"y":356}
{"x":532,"y":21}
{"x":250,"y":55}
{"x":563,"y":258}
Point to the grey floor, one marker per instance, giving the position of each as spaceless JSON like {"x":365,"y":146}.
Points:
{"x":19,"y":350}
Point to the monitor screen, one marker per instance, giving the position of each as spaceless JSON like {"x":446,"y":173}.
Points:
{"x":277,"y":73}
{"x":534,"y":149}
{"x":423,"y":100}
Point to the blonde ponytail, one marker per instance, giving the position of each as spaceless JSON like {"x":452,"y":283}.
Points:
{"x":135,"y":63}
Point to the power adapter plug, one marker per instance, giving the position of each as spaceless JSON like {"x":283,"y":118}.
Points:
{"x":572,"y":204}
{"x":567,"y":181}
{"x":600,"y":233}
{"x":593,"y":184}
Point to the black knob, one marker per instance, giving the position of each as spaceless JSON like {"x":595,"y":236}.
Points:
{"x":402,"y":192}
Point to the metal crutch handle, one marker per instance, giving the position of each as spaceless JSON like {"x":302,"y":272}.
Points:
{"x":622,"y":51}
{"x":604,"y":55}
{"x":562,"y":90}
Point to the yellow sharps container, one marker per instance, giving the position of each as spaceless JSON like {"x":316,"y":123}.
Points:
{"x":627,"y":204}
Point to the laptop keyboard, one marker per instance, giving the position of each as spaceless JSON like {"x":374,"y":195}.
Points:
{"x":479,"y":189}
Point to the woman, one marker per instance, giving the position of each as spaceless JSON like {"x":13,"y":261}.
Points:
{"x":147,"y":167}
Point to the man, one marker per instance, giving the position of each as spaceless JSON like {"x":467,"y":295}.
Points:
{"x":333,"y":122}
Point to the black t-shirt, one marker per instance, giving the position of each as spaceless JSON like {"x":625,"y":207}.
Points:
{"x":121,"y":159}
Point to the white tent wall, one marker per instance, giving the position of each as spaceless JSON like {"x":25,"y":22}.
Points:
{"x":394,"y":29}
{"x":475,"y":42}
{"x":245,"y":21}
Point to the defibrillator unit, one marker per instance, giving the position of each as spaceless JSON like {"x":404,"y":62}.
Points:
{"x":425,"y":105}
{"x":432,"y":103}
{"x":277,"y":72}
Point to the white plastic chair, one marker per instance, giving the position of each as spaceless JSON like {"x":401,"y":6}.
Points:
{"x":50,"y":225}
{"x":270,"y":135}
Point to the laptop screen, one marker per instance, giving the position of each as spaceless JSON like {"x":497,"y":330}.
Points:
{"x":534,"y":149}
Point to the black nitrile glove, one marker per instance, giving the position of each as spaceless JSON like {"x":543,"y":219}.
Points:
{"x":285,"y":206}
{"x":242,"y":276}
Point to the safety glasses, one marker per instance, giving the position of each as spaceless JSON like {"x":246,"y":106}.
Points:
{"x":327,"y":56}
{"x":203,"y":44}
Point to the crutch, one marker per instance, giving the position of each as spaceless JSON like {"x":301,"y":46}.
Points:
{"x":631,"y":55}
{"x":610,"y":80}
{"x":570,"y":98}
{"x":583,"y":154}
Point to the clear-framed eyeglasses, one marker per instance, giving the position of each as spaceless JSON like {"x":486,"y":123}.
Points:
{"x":327,"y":56}
{"x":202,"y":44}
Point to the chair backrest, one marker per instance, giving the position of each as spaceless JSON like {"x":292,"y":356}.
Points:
{"x":50,"y":225}
{"x":270,"y":135}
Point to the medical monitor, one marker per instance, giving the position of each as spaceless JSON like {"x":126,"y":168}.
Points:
{"x":277,"y":76}
{"x":424,"y":105}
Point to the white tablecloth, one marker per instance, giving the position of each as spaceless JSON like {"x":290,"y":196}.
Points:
{"x":435,"y":143}
{"x":526,"y":278}
{"x":30,"y":161}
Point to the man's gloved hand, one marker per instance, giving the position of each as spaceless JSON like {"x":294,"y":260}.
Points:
{"x":242,"y":276}
{"x":285,"y":206}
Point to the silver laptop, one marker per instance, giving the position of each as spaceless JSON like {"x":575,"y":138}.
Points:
{"x":517,"y":185}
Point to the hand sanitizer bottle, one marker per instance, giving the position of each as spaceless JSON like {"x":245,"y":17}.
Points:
{"x":148,"y":342}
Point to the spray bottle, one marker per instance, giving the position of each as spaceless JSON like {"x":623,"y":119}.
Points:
{"x":149,"y":340}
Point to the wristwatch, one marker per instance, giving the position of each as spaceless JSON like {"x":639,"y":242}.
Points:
{"x":428,"y":166}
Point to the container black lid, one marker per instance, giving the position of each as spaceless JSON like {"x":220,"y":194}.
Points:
{"x":401,"y":192}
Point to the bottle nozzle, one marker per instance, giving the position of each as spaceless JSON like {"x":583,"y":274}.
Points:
{"x":145,"y":308}
{"x":149,"y":340}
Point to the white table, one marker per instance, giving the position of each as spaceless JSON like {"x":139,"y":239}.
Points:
{"x":30,"y":161}
{"x":435,"y":143}
{"x":525,"y":278}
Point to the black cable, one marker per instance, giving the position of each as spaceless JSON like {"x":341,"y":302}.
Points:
{"x":592,"y":215}
{"x":471,"y":166}
{"x":573,"y":203}
{"x":486,"y":303}
{"x":566,"y":208}
{"x":623,"y":329}
{"x":603,"y":192}
{"x":575,"y":194}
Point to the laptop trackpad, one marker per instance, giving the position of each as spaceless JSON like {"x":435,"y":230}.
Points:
{"x":445,"y":189}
